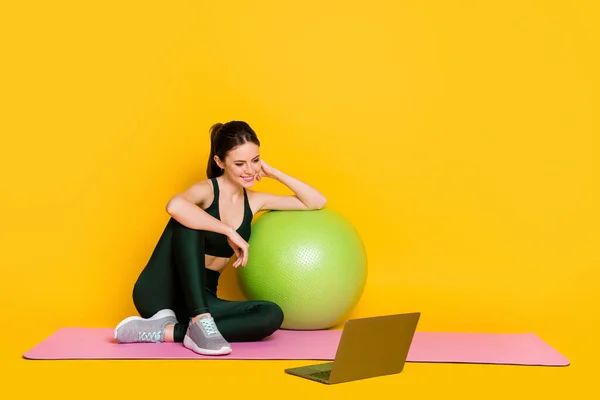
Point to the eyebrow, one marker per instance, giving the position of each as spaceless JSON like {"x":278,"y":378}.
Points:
{"x":256,"y":156}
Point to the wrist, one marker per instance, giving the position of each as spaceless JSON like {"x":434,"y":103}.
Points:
{"x":227,"y":230}
{"x":277,"y":174}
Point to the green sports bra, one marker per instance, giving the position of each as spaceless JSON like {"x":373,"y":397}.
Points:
{"x":216,"y":244}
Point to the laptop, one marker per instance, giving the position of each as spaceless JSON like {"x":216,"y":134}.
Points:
{"x":369,"y":347}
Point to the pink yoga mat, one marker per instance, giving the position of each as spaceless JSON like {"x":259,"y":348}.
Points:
{"x":436,"y":347}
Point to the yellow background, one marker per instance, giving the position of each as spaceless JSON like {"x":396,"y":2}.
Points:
{"x":459,"y":137}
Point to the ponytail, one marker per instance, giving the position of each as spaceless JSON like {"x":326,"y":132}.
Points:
{"x":212,"y":169}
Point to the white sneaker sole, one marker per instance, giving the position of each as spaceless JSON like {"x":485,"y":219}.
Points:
{"x":189,"y":343}
{"x":161,"y":314}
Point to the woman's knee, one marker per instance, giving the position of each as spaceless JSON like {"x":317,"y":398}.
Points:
{"x":271,"y":315}
{"x":259,"y":320}
{"x":142,"y":302}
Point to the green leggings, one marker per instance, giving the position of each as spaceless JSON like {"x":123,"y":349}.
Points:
{"x":176,"y":278}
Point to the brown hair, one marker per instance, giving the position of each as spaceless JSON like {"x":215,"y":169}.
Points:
{"x":224,"y":138}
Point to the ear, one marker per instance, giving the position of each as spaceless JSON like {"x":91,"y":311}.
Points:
{"x":219,"y":162}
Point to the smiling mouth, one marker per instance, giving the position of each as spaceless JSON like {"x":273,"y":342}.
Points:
{"x":248,"y":178}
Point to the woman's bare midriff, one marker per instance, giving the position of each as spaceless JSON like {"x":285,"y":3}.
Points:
{"x":215,"y":263}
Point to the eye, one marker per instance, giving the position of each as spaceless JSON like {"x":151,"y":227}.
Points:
{"x":239,"y":164}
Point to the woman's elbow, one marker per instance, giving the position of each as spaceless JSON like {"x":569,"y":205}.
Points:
{"x":319,"y":203}
{"x":173,"y":205}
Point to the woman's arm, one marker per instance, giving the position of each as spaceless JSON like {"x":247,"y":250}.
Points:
{"x":187,"y":209}
{"x":305,"y":196}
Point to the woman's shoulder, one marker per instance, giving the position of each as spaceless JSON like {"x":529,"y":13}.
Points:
{"x":255,"y":199}
{"x":200,"y":193}
{"x":204,"y":185}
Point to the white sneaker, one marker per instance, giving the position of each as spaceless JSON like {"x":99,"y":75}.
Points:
{"x":203,"y":337}
{"x":141,"y":330}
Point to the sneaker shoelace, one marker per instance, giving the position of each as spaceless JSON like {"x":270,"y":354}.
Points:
{"x":209,"y":326}
{"x":152,"y":337}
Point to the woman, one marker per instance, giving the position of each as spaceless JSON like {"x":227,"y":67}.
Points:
{"x":176,"y":293}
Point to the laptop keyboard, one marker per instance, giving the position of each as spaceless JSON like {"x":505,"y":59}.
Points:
{"x":321,"y":374}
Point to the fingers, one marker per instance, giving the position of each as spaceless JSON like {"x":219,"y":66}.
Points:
{"x":236,"y":250}
{"x":240,"y":248}
{"x":242,"y":259}
{"x":238,"y":258}
{"x":244,"y":256}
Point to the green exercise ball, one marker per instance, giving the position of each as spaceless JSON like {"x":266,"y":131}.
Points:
{"x":311,"y":263}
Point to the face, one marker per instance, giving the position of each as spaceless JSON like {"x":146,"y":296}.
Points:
{"x":242,"y":164}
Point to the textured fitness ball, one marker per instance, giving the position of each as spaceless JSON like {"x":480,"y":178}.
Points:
{"x":311,"y":263}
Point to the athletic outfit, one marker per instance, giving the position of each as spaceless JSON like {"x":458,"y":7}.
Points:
{"x":176,"y":286}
